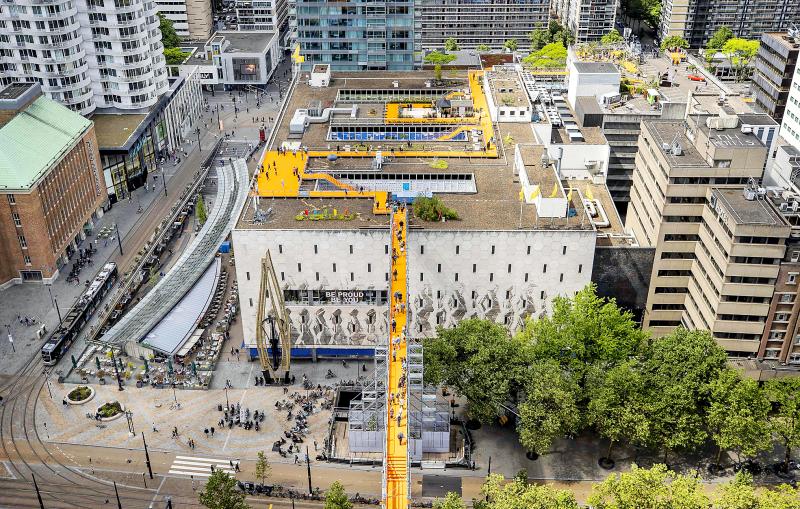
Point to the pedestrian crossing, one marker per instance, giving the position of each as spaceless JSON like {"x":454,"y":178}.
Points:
{"x":199,"y":467}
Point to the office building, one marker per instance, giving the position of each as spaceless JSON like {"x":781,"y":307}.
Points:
{"x":86,"y":55}
{"x":472,"y":23}
{"x":192,"y":19}
{"x":676,"y":163}
{"x":697,"y":20}
{"x":790,"y":126}
{"x":50,"y":181}
{"x":588,"y":20}
{"x":354,"y":36}
{"x":262,"y":15}
{"x":775,"y":64}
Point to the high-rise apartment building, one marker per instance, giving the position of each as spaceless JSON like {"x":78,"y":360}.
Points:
{"x":676,"y":164}
{"x":51,"y":180}
{"x":355,"y":35}
{"x":475,"y":22}
{"x":86,"y":54}
{"x":790,"y":126}
{"x":588,"y":20}
{"x":775,"y":64}
{"x":192,"y":19}
{"x":697,"y":20}
{"x":262,"y":15}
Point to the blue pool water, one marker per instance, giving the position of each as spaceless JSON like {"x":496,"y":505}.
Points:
{"x":364,"y":136}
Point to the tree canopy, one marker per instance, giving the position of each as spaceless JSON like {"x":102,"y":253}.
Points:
{"x":674,"y":42}
{"x":720,"y":37}
{"x":511,"y":45}
{"x":451,"y":501}
{"x":553,"y":55}
{"x":518,"y":494}
{"x":649,"y":488}
{"x":263,"y":468}
{"x":221,"y":492}
{"x":611,"y":37}
{"x":784,"y":422}
{"x":740,"y":52}
{"x":555,"y":32}
{"x":174,"y":56}
{"x":336,"y":498}
{"x":438,"y":59}
{"x":451,"y":44}
{"x":644,"y":10}
{"x":169,"y":37}
{"x":483,"y":48}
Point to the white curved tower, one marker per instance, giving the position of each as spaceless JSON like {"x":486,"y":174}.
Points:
{"x":86,"y":54}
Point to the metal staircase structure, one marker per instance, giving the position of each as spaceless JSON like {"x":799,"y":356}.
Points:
{"x":273,"y":338}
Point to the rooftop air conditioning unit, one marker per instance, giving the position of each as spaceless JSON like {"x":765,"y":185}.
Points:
{"x":784,"y":207}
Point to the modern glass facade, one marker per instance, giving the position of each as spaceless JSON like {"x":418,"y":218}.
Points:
{"x":356,"y":35}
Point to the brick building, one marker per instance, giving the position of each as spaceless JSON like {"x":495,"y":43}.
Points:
{"x":51,"y":184}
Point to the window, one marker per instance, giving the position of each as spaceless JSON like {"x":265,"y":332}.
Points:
{"x":316,"y":276}
{"x":580,"y":268}
{"x":792,"y":279}
{"x":352,"y":277}
{"x":474,"y":267}
{"x":544,"y":268}
{"x":283,"y":277}
{"x":563,"y":250}
{"x":456,"y":277}
{"x":541,"y":295}
{"x":457,"y":249}
{"x":248,"y":275}
{"x":491,"y":277}
{"x":529,"y":249}
{"x":300,"y":268}
{"x":421,"y":276}
{"x":438,"y":267}
{"x":351,"y":248}
{"x":492,"y":249}
{"x":369,"y":267}
{"x":251,"y":302}
{"x":526,"y":277}
{"x":280,"y":248}
{"x":795,"y":256}
{"x":386,"y":249}
{"x":561,"y":278}
{"x":27,"y":259}
{"x":509,"y":268}
{"x":421,"y":249}
{"x":17,"y":220}
{"x":787,"y":297}
{"x":315,"y":249}
{"x":11,"y":199}
{"x":22,"y":242}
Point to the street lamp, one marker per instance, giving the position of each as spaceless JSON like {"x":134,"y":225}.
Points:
{"x":54,"y":301}
{"x":129,"y":417}
{"x":163,"y":180}
{"x":119,"y":239}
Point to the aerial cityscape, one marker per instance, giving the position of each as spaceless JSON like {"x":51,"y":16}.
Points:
{"x":339,"y":254}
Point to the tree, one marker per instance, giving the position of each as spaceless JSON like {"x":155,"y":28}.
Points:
{"x":784,"y":422}
{"x":739,"y":493}
{"x":483,"y":48}
{"x":737,"y":414}
{"x":617,"y":406}
{"x":451,"y":44}
{"x":652,"y":488}
{"x":451,"y":501}
{"x":263,"y":469}
{"x":175,"y":56}
{"x":612,"y":37}
{"x":518,"y":494}
{"x":169,"y":37}
{"x":221,"y":492}
{"x":480,"y":361}
{"x":438,"y":59}
{"x":200,"y":210}
{"x":678,"y":369}
{"x":550,"y":408}
{"x":740,"y":52}
{"x":553,"y":55}
{"x":511,"y":45}
{"x":584,"y":329}
{"x":783,"y":497}
{"x":559,"y":32}
{"x":539,"y":39}
{"x":336,"y":498}
{"x":718,"y":40}
{"x":674,"y":42}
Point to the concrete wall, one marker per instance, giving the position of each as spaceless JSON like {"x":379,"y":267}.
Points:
{"x":499,"y":275}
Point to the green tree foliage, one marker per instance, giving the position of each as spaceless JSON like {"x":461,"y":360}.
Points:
{"x":550,"y":408}
{"x":553,"y":55}
{"x":438,"y":59}
{"x":617,"y":404}
{"x":336,"y":498}
{"x":263,"y":468}
{"x":432,"y":209}
{"x":200,"y":210}
{"x":679,"y":369}
{"x":169,"y":37}
{"x":518,"y":494}
{"x":741,"y":52}
{"x":221,"y":492}
{"x":739,"y":493}
{"x":483,"y":48}
{"x":451,"y":501}
{"x":653,"y":488}
{"x":644,"y":10}
{"x":175,"y":56}
{"x":720,"y":37}
{"x":511,"y":45}
{"x":784,"y":422}
{"x":479,"y":360}
{"x":555,"y":32}
{"x":612,"y":37}
{"x":737,"y":414}
{"x":539,"y":39}
{"x":674,"y":42}
{"x":451,"y":44}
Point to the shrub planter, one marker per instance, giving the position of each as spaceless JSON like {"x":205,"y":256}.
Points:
{"x":110,"y":411}
{"x":80,"y":395}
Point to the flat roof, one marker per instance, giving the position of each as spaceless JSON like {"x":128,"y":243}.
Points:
{"x":247,"y":42}
{"x":14,"y":91}
{"x":668,"y":132}
{"x":115,"y":129}
{"x":35,"y":139}
{"x":596,"y":67}
{"x":733,"y":138}
{"x":748,"y":212}
{"x":756,"y":119}
{"x":507,"y":86}
{"x":170,"y":334}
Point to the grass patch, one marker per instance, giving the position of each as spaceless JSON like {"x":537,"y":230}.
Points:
{"x":432,"y":209}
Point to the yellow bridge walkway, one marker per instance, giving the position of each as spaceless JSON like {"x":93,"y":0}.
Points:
{"x":396,"y":469}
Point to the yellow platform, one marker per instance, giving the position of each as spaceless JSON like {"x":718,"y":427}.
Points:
{"x":397,"y":468}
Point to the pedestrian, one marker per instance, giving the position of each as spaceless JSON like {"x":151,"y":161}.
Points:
{"x":237,"y":467}
{"x":231,"y":463}
{"x":212,"y":431}
{"x":295,"y":459}
{"x":155,"y":429}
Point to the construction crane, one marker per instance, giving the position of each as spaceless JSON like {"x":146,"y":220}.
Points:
{"x":273,"y":338}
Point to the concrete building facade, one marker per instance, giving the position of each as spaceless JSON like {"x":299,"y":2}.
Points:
{"x":476,"y":22}
{"x":192,"y":19}
{"x":589,"y":20}
{"x":775,"y":64}
{"x":676,"y":163}
{"x":697,"y":20}
{"x":85,"y":54}
{"x":262,"y":15}
{"x":50,"y":181}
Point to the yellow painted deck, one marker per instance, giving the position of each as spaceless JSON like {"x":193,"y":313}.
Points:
{"x":397,"y":468}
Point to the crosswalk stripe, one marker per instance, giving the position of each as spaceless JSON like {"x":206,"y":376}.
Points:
{"x":209,"y":460}
{"x":201,"y":463}
{"x":196,"y":474}
{"x":202,"y":468}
